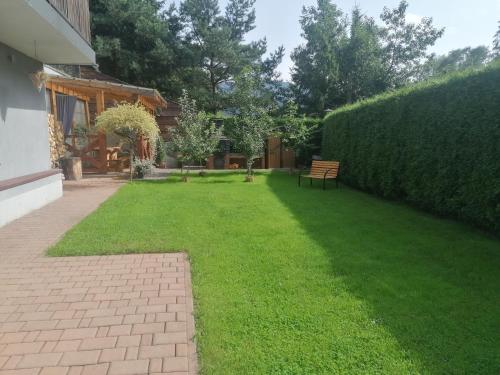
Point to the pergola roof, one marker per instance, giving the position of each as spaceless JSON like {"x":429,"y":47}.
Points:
{"x":90,"y":86}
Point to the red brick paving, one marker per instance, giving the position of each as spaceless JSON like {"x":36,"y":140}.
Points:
{"x":110,"y":315}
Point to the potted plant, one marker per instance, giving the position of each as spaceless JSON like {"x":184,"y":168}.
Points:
{"x":142,"y":168}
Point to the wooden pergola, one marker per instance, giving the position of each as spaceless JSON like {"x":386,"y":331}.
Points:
{"x":97,"y":96}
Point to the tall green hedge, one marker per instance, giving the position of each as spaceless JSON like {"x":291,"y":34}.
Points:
{"x":435,"y":145}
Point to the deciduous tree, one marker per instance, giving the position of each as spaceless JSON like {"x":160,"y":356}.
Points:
{"x":496,"y":43}
{"x":405,"y":44}
{"x":345,"y":59}
{"x":195,"y":137}
{"x":456,"y":60}
{"x":130,"y":122}
{"x":294,"y":130}
{"x":251,"y":124}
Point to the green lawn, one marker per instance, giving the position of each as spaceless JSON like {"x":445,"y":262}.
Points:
{"x":292,"y":280}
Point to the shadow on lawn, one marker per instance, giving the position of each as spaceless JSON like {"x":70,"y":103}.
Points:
{"x":433,"y":284}
{"x":194,"y":178}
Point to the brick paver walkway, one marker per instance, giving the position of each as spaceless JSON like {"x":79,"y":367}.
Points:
{"x":129,"y":314}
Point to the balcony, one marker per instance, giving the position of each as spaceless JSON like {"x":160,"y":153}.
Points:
{"x":76,"y":13}
{"x":50,"y":31}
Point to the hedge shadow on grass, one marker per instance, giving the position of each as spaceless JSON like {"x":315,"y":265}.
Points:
{"x":432,"y":283}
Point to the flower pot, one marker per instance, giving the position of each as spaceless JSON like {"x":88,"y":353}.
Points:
{"x":72,"y":168}
{"x":248,"y":178}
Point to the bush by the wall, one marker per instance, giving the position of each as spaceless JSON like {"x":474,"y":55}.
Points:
{"x":436,"y":145}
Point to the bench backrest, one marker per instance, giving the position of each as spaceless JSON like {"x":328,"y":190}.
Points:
{"x":319,"y":168}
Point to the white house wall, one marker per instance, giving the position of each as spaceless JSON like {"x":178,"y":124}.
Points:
{"x":24,"y":139}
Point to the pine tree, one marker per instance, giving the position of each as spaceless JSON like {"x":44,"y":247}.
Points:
{"x":217,"y":47}
{"x":139,"y":43}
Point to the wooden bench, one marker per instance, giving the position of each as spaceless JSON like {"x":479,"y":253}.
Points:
{"x":193,"y":167}
{"x":323,"y":170}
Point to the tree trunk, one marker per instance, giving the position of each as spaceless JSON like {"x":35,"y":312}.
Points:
{"x":131,"y":164}
{"x":185,"y":176}
{"x":202,"y":172}
{"x":213,"y":89}
{"x":249,"y":176}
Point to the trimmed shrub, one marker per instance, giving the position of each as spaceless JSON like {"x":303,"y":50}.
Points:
{"x":435,"y":145}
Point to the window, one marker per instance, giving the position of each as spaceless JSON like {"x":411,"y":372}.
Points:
{"x":80,"y":116}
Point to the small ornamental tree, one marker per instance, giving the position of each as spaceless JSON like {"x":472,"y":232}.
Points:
{"x":130,"y":122}
{"x":249,"y":133}
{"x":295,"y":132}
{"x":252,"y":124}
{"x":196,"y":137}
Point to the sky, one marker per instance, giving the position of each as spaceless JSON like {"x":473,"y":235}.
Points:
{"x":467,"y":22}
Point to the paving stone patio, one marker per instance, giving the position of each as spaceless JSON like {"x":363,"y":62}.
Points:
{"x":127,"y":314}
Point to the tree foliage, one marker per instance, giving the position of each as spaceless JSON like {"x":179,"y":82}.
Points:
{"x":218,"y":48}
{"x":251,"y":124}
{"x":296,"y":131}
{"x":405,"y":44}
{"x":197,"y":46}
{"x":496,"y":43}
{"x":360,"y":60}
{"x":316,"y":71}
{"x":130,"y":122}
{"x":456,"y":60}
{"x":345,"y":59}
{"x":195,"y":137}
{"x":139,"y":43}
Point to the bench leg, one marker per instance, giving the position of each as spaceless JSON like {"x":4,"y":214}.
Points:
{"x":310,"y":182}
{"x":324,"y":184}
{"x":299,"y":180}
{"x":337,"y":183}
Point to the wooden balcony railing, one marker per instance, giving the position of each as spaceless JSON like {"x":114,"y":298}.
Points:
{"x":76,"y":13}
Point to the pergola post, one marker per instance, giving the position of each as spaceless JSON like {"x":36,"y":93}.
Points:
{"x":140,"y":148}
{"x":54,"y":103}
{"x":210,"y":162}
{"x":103,"y":157}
